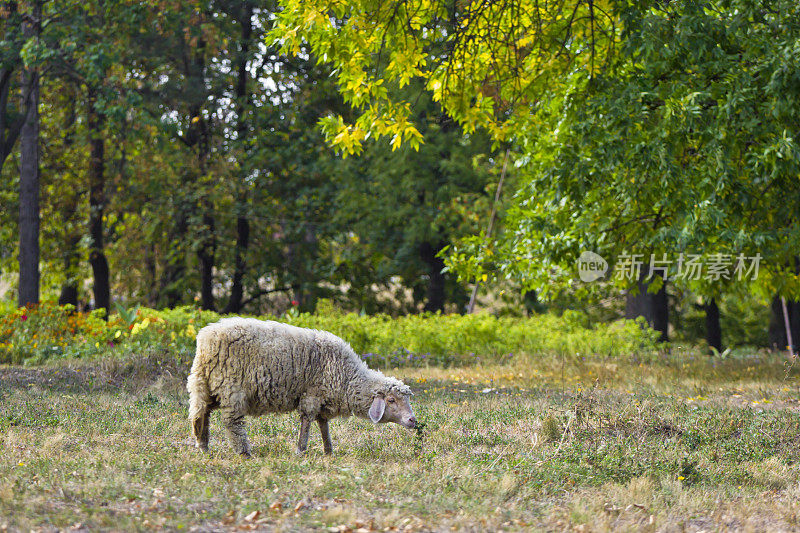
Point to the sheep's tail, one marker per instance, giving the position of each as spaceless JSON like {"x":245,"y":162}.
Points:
{"x":200,"y":403}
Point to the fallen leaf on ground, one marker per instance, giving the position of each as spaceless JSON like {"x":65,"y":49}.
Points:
{"x":229,"y":517}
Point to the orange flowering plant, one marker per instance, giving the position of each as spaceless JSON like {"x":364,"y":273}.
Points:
{"x":35,"y":333}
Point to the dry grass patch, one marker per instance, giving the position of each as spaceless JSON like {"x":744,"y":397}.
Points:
{"x":614,"y":449}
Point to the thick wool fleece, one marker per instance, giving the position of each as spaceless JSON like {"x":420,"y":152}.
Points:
{"x":245,"y":366}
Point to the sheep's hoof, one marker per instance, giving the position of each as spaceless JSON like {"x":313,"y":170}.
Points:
{"x":298,"y":451}
{"x":246,"y":455}
{"x":202,"y":447}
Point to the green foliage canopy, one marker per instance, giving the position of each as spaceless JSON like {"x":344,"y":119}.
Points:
{"x":650,"y":127}
{"x":488,"y":63}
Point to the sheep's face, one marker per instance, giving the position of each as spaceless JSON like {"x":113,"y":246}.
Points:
{"x":393,"y":406}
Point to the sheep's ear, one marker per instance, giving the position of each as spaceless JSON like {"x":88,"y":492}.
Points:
{"x":376,"y":409}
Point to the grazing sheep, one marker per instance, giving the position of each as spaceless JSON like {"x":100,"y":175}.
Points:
{"x":245,"y":366}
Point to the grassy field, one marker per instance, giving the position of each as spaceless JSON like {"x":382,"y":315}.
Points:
{"x":544,"y":444}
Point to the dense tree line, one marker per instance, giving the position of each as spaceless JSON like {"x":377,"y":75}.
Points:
{"x":181,"y":160}
{"x":170,"y":153}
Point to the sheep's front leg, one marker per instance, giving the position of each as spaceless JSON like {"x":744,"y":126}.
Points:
{"x":309,"y":407}
{"x":302,"y":441}
{"x":326,"y":436}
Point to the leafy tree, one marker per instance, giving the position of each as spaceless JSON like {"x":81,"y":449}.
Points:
{"x":488,"y":63}
{"x":408,"y":205}
{"x":649,"y":127}
{"x":680,"y":149}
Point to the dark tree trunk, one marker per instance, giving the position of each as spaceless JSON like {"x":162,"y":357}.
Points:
{"x":242,"y":223}
{"x":532,"y":304}
{"x":308,"y":293}
{"x":653,"y":307}
{"x":69,"y":295}
{"x":777,"y":328}
{"x":713,"y":328}
{"x":29,"y":180}
{"x":777,"y":331}
{"x":299,"y":252}
{"x":10,"y":131}
{"x":69,"y":289}
{"x":6,"y":143}
{"x":661,"y":313}
{"x":170,"y":292}
{"x":206,"y":255}
{"x":70,"y":221}
{"x":297,"y":255}
{"x":97,"y":205}
{"x":208,"y":239}
{"x":199,"y":138}
{"x":240,"y":266}
{"x":435,"y":297}
{"x":152,"y":279}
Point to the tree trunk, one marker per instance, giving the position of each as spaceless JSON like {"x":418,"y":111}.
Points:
{"x":532,"y":304}
{"x":29,"y":179}
{"x":97,"y":205}
{"x":301,"y":250}
{"x":70,"y":219}
{"x":713,"y":328}
{"x":150,"y":269}
{"x":206,"y":255}
{"x":69,"y":289}
{"x":239,"y":266}
{"x":69,"y":295}
{"x":777,"y":328}
{"x":242,"y":223}
{"x":10,"y":131}
{"x":653,"y":307}
{"x":170,"y":292}
{"x":435,"y":297}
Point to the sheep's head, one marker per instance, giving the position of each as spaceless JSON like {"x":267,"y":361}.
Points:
{"x":393,"y":405}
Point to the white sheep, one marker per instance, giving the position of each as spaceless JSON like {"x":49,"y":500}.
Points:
{"x":245,"y":366}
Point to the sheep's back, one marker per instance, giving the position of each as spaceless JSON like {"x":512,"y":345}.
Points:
{"x":270,"y":363}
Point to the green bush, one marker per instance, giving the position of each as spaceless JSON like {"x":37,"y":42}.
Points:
{"x":33,"y":335}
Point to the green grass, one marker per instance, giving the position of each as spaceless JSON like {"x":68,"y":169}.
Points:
{"x":538,"y":444}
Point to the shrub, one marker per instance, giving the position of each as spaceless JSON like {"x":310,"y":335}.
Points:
{"x":34,"y":334}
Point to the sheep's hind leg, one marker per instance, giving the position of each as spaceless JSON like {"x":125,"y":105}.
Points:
{"x":302,"y":441}
{"x":201,"y":403}
{"x":199,"y":412}
{"x":326,"y":436}
{"x":234,"y":423}
{"x":200,"y":429}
